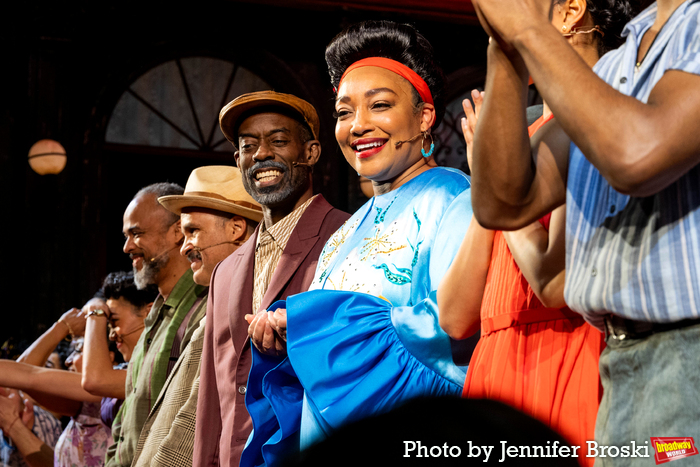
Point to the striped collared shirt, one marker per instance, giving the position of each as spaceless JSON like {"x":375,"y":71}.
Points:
{"x":637,"y":257}
{"x":269,"y":248}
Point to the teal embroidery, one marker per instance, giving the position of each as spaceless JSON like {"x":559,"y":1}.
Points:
{"x":417,"y":248}
{"x":379,"y":218}
{"x":415,"y":216}
{"x":394,"y":278}
{"x":403,"y":275}
{"x":376,"y":218}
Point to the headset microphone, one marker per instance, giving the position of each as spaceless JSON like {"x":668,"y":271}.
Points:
{"x":156,"y":257}
{"x":122,"y":336}
{"x":199,"y":250}
{"x":399,"y":143}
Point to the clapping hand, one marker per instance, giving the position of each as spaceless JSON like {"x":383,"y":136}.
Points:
{"x":469,"y":122}
{"x":505,"y":20}
{"x":14,"y":410}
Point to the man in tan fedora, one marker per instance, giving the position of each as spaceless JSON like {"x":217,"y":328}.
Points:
{"x":276,"y":141}
{"x":217,"y":216}
{"x":152,"y":238}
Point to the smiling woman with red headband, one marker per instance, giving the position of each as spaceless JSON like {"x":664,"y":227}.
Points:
{"x":366,"y":338}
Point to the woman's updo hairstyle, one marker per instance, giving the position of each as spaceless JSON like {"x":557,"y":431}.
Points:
{"x":611,"y":16}
{"x":399,"y":42}
{"x":121,"y":285}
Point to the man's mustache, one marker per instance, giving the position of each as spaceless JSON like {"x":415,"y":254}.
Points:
{"x":194,"y":255}
{"x":266,"y":165}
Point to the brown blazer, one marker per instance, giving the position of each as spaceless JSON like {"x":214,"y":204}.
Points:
{"x":223,"y":424}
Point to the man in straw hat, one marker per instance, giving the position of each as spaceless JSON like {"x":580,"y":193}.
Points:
{"x":276,"y":141}
{"x":153,"y":235}
{"x":217,"y":215}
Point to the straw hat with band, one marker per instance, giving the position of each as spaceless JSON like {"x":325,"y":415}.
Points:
{"x":218,"y":187}
{"x":229,"y":117}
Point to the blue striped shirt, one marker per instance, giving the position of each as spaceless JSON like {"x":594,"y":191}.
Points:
{"x":638,"y":258}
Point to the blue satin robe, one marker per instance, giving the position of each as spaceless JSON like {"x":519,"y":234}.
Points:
{"x":366,"y":337}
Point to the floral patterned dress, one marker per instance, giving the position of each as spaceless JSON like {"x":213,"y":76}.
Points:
{"x":85,"y":440}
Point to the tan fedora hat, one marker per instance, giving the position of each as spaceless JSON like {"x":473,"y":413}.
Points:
{"x":231,"y":113}
{"x":217,"y":187}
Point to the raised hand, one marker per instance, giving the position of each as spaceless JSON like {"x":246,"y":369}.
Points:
{"x":469,"y":122}
{"x":504,"y":20}
{"x":74,"y":319}
{"x":96,"y":304}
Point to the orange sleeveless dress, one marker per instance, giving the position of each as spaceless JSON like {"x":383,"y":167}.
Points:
{"x":542,"y":361}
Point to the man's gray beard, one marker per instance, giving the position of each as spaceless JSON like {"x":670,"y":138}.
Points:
{"x":148,"y":273}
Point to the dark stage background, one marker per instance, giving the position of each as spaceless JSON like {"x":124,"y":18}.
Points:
{"x":78,"y":73}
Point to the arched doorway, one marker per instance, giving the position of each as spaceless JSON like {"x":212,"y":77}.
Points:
{"x":162,"y":126}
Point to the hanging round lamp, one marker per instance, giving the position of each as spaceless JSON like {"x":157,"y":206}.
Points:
{"x":47,"y":156}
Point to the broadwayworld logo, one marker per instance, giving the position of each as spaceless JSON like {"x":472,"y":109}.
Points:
{"x":671,"y":449}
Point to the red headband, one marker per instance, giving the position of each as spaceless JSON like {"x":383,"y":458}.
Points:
{"x":400,"y":69}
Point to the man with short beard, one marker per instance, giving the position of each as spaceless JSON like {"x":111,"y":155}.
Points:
{"x":153,"y":237}
{"x":276,"y":141}
{"x":217,"y":216}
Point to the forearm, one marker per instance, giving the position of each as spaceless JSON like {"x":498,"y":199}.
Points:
{"x":99,"y":377}
{"x":57,"y":403}
{"x":461,"y":290}
{"x":35,"y":452}
{"x":540,"y":255}
{"x":631,"y":143}
{"x":41,"y":349}
{"x":17,"y":375}
{"x":503,"y":170}
{"x":57,"y":390}
{"x":44,"y":457}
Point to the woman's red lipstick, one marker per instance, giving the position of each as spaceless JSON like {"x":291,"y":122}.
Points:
{"x":368,"y":147}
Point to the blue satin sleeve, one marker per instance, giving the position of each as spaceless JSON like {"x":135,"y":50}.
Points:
{"x":350,"y":356}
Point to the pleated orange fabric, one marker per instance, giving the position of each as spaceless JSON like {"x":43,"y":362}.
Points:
{"x":542,"y":361}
